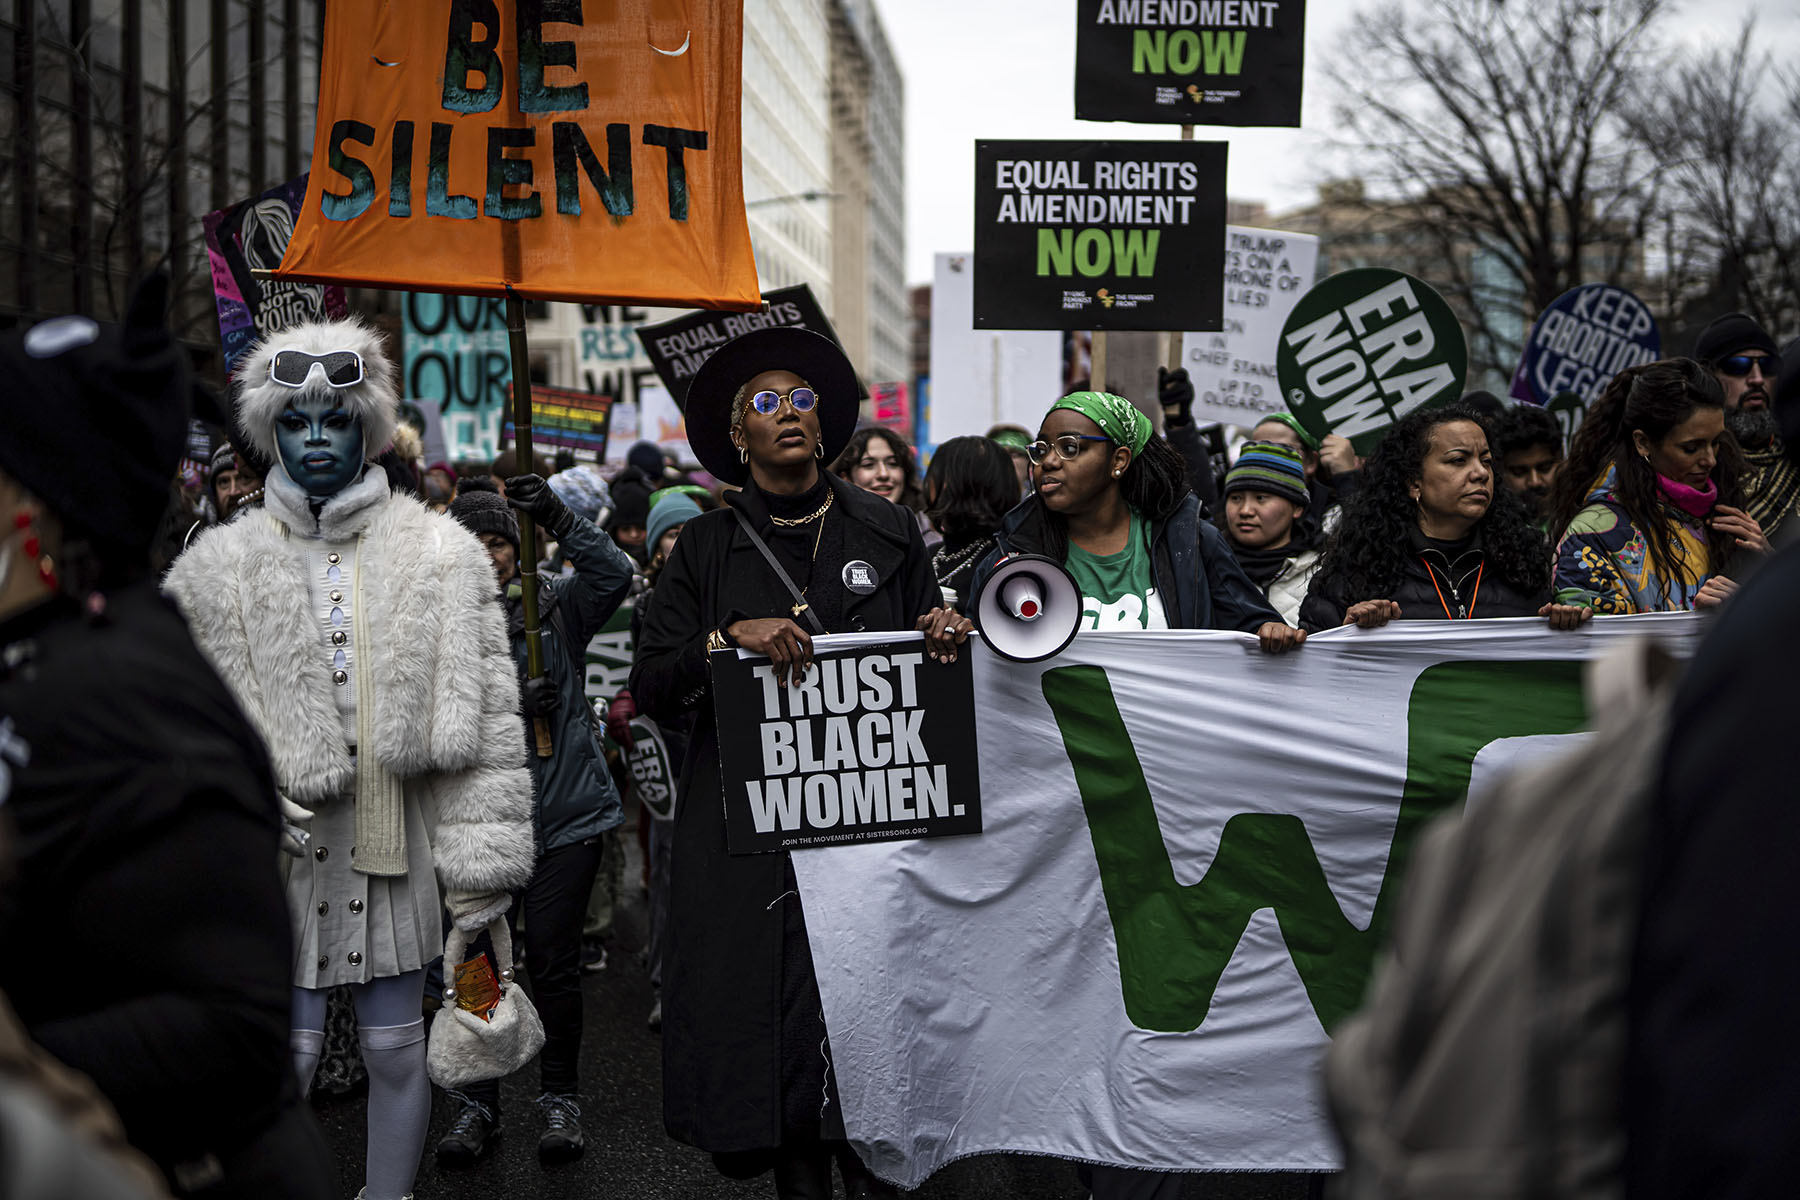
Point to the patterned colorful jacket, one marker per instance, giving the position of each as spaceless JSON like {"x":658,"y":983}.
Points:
{"x":1603,"y":560}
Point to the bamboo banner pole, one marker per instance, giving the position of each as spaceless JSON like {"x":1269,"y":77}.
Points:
{"x":528,"y":551}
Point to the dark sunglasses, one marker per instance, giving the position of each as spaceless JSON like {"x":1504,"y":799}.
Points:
{"x":1069,"y":446}
{"x":290,"y":368}
{"x":1739,"y":365}
{"x":804,"y":399}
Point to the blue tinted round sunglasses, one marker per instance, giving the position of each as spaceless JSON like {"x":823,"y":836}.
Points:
{"x":804,"y":399}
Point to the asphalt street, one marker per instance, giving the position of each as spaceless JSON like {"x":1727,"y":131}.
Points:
{"x":629,"y":1157}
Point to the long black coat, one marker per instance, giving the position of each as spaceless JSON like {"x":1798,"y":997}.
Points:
{"x":147,"y":936}
{"x":723,"y":1008}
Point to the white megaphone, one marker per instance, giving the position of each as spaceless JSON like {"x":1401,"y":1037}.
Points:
{"x":1029,"y":608}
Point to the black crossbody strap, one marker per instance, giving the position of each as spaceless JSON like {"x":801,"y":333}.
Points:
{"x":801,"y":607}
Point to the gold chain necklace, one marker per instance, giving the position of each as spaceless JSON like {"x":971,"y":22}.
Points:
{"x":792,"y":522}
{"x":819,"y":536}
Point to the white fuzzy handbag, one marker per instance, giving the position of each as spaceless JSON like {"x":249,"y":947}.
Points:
{"x":466,"y":1049}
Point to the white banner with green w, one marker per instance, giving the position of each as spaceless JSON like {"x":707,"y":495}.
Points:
{"x":1190,"y":852}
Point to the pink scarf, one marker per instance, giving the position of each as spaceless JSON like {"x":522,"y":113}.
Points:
{"x":1693,"y":501}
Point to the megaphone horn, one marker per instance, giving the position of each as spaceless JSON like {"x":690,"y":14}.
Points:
{"x":1029,"y":609}
{"x":1023,"y":597}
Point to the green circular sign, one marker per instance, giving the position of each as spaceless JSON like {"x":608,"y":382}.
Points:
{"x":1364,"y":348}
{"x":652,"y":775}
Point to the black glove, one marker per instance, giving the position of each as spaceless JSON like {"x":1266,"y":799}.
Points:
{"x":538,"y":697}
{"x":1174,"y":391}
{"x":530,"y":494}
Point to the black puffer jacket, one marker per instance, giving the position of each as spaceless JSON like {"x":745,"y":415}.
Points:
{"x":1199,"y":580}
{"x":575,"y":796}
{"x":148,"y":943}
{"x":1442,"y":581}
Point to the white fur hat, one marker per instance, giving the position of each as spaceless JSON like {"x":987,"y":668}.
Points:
{"x":260,"y":400}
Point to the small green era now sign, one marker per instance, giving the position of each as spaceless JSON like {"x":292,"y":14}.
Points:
{"x":1364,"y":348}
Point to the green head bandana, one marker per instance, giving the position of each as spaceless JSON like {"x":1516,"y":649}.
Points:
{"x":1117,"y":417}
{"x":1293,"y":423}
{"x":1012,"y":439}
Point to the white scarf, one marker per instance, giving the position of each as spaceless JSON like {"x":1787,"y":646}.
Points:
{"x":380,"y":796}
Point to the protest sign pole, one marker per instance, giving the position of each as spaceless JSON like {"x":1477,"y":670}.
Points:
{"x":1097,"y":362}
{"x":1174,"y":355}
{"x":528,"y":554}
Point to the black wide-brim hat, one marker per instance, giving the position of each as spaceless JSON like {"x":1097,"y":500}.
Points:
{"x":812,"y":356}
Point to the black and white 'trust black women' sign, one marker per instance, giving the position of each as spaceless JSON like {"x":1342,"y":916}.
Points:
{"x":875,"y":742}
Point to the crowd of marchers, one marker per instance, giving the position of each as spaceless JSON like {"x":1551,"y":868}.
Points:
{"x":272,"y":725}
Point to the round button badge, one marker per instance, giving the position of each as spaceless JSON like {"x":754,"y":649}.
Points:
{"x":859,"y":577}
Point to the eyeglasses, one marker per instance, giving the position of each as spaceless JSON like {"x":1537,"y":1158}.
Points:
{"x":1739,"y":365}
{"x":290,"y":368}
{"x":1068,"y":446}
{"x":804,"y":399}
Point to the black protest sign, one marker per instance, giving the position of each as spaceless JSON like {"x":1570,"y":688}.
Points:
{"x":678,"y":347}
{"x":875,"y":743}
{"x":1190,"y":62}
{"x":1585,"y":337}
{"x":1364,"y":348}
{"x":1099,"y":235}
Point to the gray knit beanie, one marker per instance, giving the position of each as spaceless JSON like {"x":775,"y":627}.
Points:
{"x":486,"y":512}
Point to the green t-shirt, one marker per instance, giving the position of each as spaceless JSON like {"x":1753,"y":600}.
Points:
{"x":1118,"y":591}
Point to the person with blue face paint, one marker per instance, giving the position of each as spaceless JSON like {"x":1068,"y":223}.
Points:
{"x":362,"y":635}
{"x":320,"y":444}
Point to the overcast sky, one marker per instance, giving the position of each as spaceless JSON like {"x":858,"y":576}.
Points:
{"x":1006,"y":69}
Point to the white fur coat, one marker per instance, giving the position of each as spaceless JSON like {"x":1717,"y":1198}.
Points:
{"x":446,"y":694}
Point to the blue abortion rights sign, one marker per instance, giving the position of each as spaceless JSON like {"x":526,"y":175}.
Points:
{"x":1588,"y":335}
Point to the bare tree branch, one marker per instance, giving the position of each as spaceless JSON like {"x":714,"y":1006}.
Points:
{"x":1494,"y":134}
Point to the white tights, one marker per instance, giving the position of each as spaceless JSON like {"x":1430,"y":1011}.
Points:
{"x":392,"y":1035}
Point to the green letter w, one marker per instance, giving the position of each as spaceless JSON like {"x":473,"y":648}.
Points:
{"x":1175,"y":941}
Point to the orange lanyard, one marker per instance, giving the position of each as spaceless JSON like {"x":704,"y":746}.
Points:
{"x":1476,"y":595}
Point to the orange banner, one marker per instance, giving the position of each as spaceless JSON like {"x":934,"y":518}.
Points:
{"x":574,"y":149}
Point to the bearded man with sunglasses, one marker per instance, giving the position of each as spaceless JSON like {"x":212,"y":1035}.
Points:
{"x":1742,"y":355}
{"x":362,"y":635}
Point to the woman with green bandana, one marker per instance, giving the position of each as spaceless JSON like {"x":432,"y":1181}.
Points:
{"x":1114,"y":506}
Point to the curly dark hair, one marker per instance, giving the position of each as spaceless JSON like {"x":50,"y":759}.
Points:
{"x":1365,"y":557}
{"x":910,"y":495}
{"x":1653,"y":397}
{"x":972,"y":485}
{"x":1526,"y":427}
{"x":1155,"y":482}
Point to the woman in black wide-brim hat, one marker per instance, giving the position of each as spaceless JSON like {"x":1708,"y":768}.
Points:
{"x":746,"y":1073}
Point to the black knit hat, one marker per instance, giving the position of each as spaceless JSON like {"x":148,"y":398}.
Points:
{"x":630,"y":504}
{"x":95,"y":420}
{"x":1731,"y":334}
{"x":646,"y":457}
{"x":486,"y":512}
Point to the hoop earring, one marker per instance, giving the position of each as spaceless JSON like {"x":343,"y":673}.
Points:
{"x":743,"y":454}
{"x":819,"y":451}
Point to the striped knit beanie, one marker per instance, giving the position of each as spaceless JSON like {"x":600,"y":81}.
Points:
{"x":1268,"y":467}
